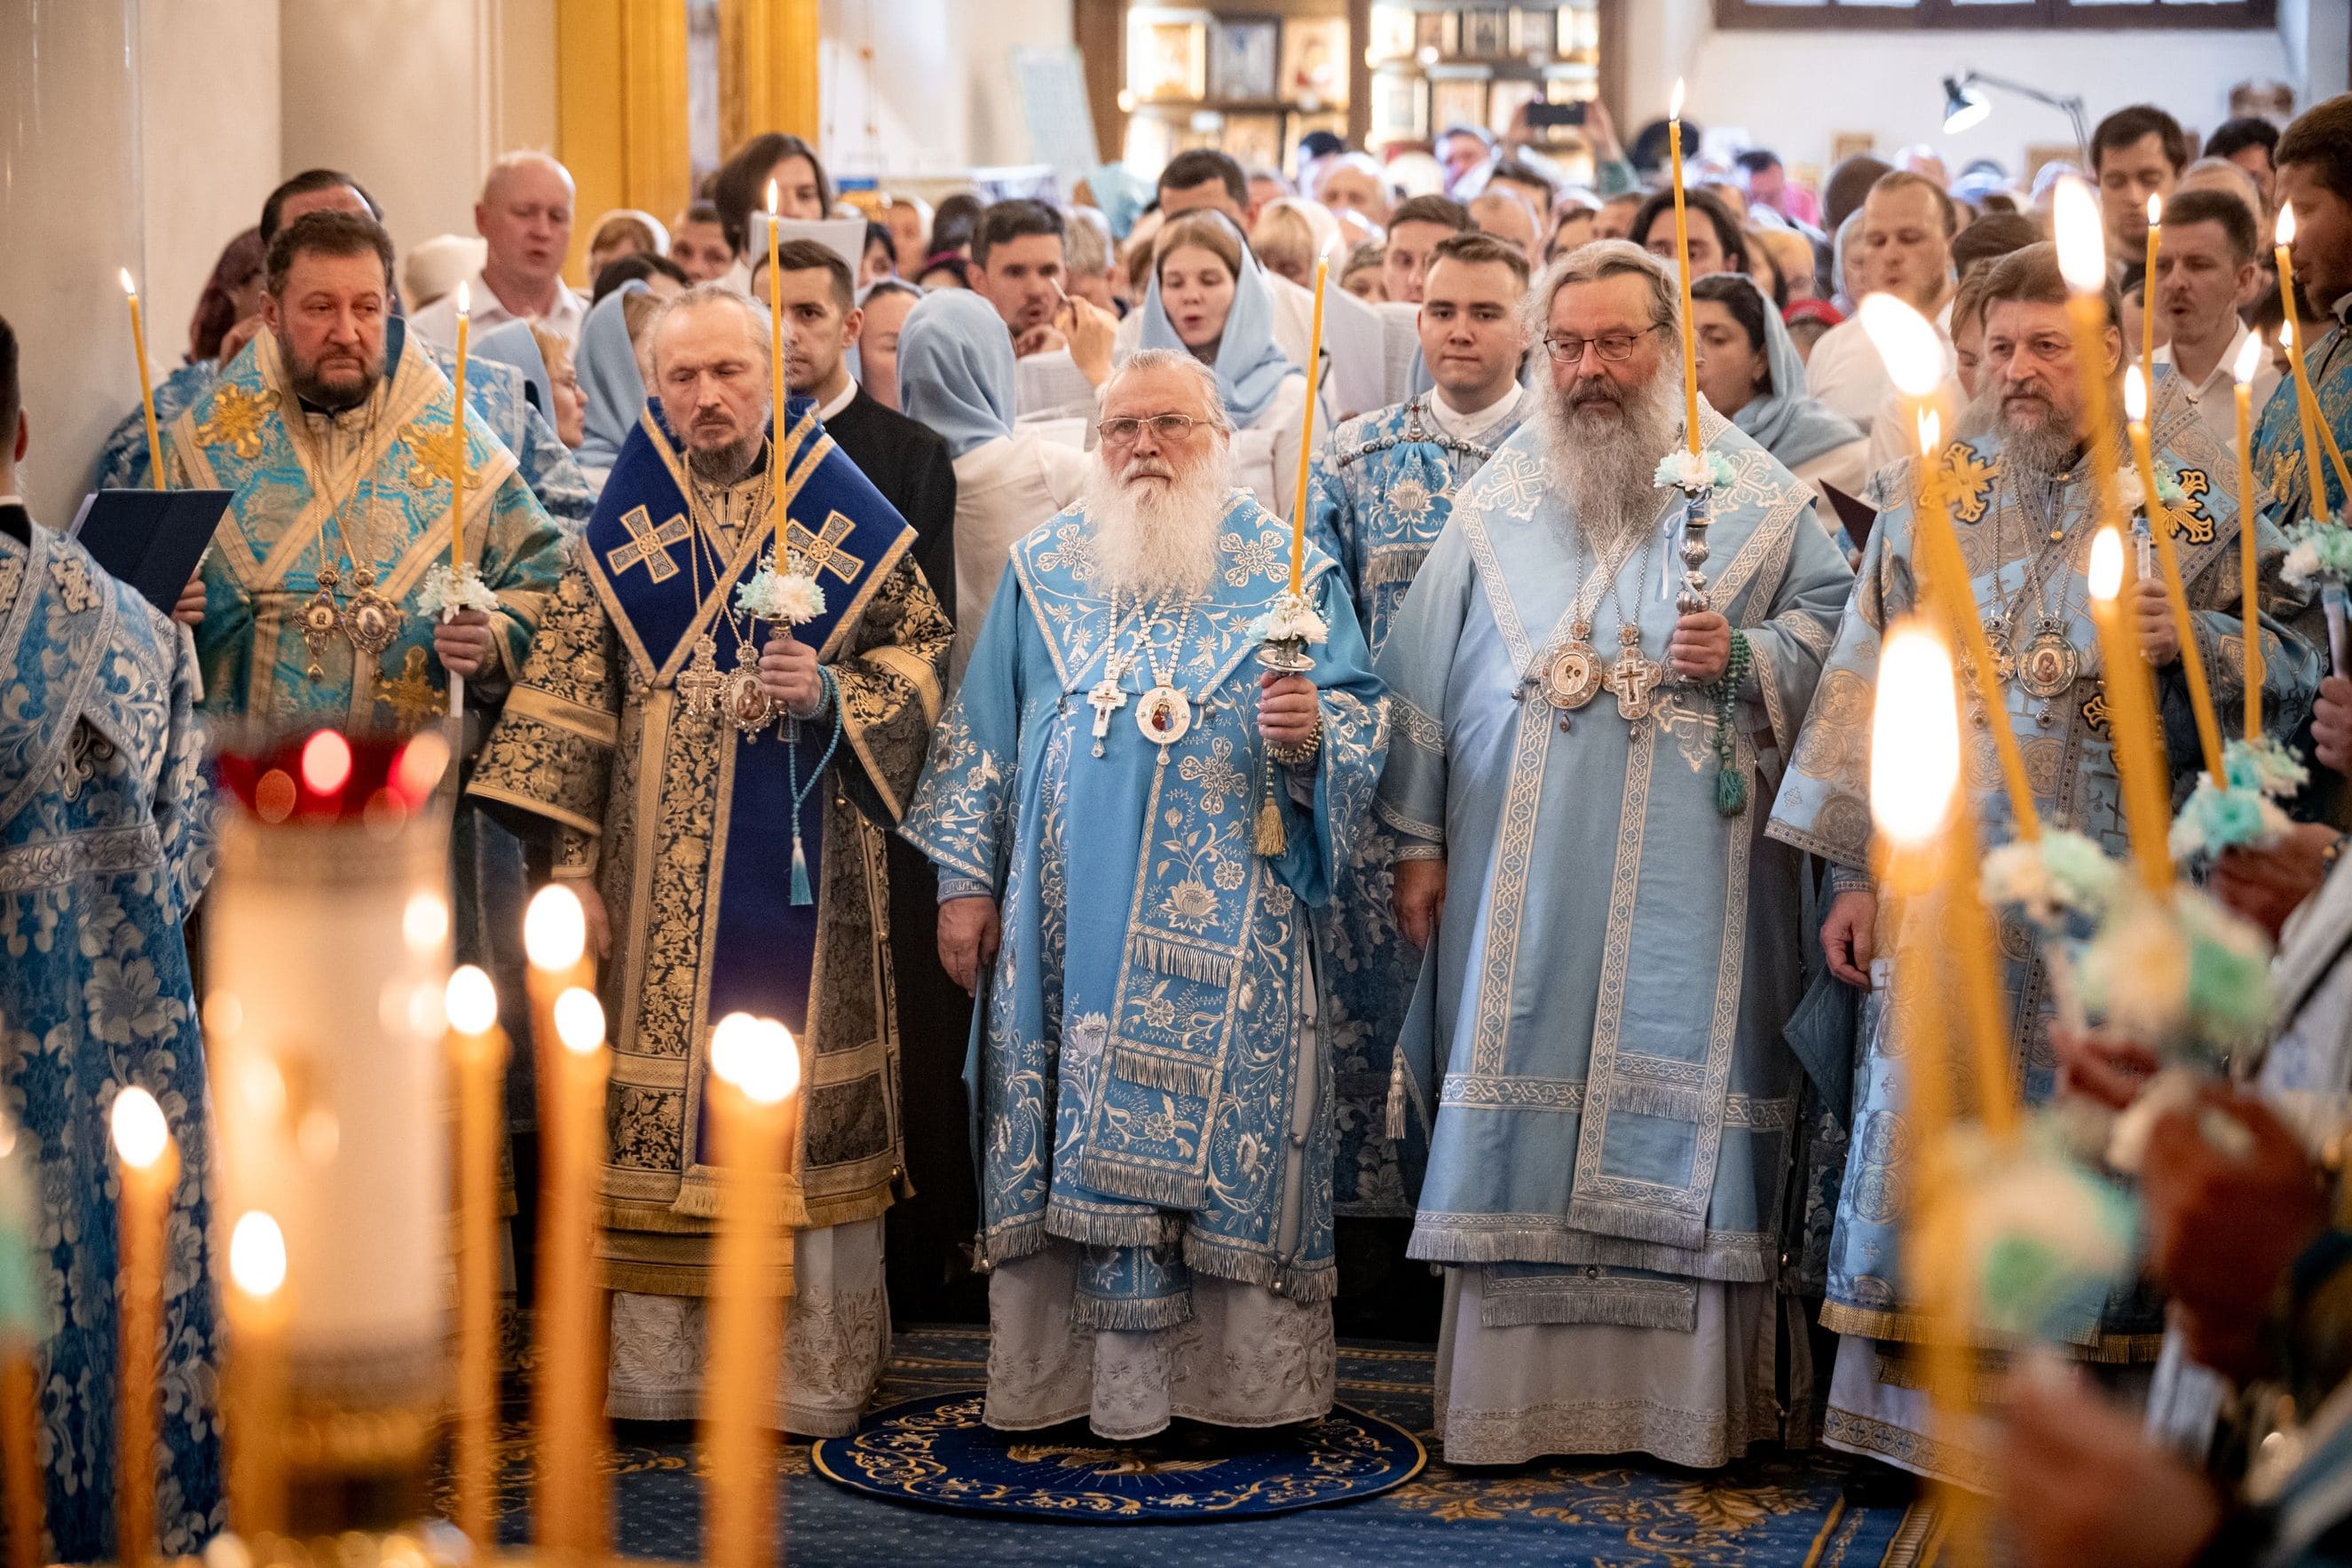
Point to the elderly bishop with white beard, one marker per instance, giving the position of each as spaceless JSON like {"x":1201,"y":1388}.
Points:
{"x":1579,"y":787}
{"x":1102,"y":802}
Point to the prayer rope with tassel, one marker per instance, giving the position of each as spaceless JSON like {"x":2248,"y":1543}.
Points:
{"x":1730,"y":782}
{"x":802,"y":896}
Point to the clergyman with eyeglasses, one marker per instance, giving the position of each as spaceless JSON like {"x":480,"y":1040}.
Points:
{"x":1578,"y":780}
{"x":1132,"y":819}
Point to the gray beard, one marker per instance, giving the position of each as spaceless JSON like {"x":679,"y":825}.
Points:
{"x":1605,"y":466}
{"x":724,"y":464}
{"x":2048,"y":451}
{"x":1157,"y":543}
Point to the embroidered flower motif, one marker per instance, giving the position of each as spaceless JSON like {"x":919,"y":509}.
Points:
{"x":1252,"y":558}
{"x":1409,"y":501}
{"x":1157,"y":1127}
{"x":126,"y":1001}
{"x":1158,"y":1012}
{"x":1215,"y":775}
{"x":1190,"y":904}
{"x":1229,"y":875}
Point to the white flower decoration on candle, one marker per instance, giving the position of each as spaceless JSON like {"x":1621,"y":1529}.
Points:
{"x":2130,"y":495}
{"x":2059,"y":876}
{"x":1694,"y":473}
{"x":2322,"y":552}
{"x":1290,"y":619}
{"x":790,"y":598}
{"x":444,"y":594}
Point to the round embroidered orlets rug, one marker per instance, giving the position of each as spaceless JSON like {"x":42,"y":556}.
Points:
{"x":937,"y":1452}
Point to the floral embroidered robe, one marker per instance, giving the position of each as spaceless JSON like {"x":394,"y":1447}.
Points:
{"x":1383,"y":489}
{"x":2003,"y":518}
{"x":1141,"y":1064}
{"x":369,"y":487}
{"x":105,"y":845}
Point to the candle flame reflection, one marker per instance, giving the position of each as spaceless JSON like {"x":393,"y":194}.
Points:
{"x":2106,"y":571}
{"x":2082,"y":241}
{"x":2249,"y":360}
{"x":1915,"y":738}
{"x":256,"y":1255}
{"x":554,"y":928}
{"x":139,"y":1130}
{"x":2134,"y":395}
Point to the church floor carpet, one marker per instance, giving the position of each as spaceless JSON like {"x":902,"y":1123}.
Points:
{"x":1771,"y":1510}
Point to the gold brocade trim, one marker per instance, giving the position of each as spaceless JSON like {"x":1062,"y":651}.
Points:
{"x":913,"y":669}
{"x":562,"y":712}
{"x":1910,"y":1328}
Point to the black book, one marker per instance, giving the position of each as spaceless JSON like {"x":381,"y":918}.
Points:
{"x":1855,"y":517}
{"x":152,"y":539}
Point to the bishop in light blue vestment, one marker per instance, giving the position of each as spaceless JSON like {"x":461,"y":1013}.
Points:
{"x":1155,"y":1123}
{"x":1597,"y":1030}
{"x":2025,"y":536}
{"x":1382,"y":490}
{"x":105,"y":845}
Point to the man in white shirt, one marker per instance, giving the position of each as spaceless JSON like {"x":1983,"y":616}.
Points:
{"x":2205,"y":274}
{"x":524,"y":215}
{"x":1907,"y":223}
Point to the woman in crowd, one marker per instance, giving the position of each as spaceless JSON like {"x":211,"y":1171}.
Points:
{"x":625,"y":231}
{"x":1291,"y":235}
{"x":887,"y":306}
{"x":955,"y":374}
{"x":1362,"y":275}
{"x":1715,"y":242}
{"x":1749,"y":370}
{"x":741,"y":187}
{"x":1209,"y":297}
{"x":545,"y":360}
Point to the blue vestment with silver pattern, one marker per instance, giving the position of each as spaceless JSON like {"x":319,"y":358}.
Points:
{"x":1384,"y":488}
{"x":1146,"y":1081}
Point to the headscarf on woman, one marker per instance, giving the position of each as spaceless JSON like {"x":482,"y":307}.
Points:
{"x":616,"y":389}
{"x":513,"y":343}
{"x":1790,"y":425}
{"x":1250,"y":366}
{"x":955,"y":369}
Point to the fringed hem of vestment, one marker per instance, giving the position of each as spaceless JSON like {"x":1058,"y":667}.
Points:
{"x":1129,"y":1314}
{"x":1297,"y":1281}
{"x":1909,"y":1328}
{"x":1738,"y":1263}
{"x":1164,"y":1070}
{"x":1181,"y":1190}
{"x":695,"y":1211}
{"x":1132,"y":1228}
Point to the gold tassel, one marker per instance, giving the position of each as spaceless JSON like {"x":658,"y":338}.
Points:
{"x":1271,"y":839}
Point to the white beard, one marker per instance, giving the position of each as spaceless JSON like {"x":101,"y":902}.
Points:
{"x":1156,"y":541}
{"x":1605,"y":467}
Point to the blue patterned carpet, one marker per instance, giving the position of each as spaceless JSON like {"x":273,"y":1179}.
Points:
{"x":1778,"y":1512}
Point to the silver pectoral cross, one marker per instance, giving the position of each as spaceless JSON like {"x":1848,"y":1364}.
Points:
{"x":1108,"y":697}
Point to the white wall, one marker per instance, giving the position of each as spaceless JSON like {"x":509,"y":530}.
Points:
{"x":924,"y":89}
{"x":1794,"y":91}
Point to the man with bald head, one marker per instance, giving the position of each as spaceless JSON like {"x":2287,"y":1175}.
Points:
{"x":524,"y":215}
{"x":1506,"y":215}
{"x":1131,"y":818}
{"x":653,"y":770}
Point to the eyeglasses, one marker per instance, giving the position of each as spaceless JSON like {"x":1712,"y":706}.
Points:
{"x":1164,"y":427}
{"x":1614,"y":347}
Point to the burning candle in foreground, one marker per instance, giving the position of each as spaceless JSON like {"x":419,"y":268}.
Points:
{"x":146,"y":388}
{"x":2167,"y":556}
{"x":2131,"y":717}
{"x":256,"y":1383}
{"x":1682,"y":271}
{"x":2249,"y":364}
{"x":2147,"y":288}
{"x":755,"y":1067}
{"x":569,"y":1506}
{"x":1307,"y":445}
{"x":555,"y":940}
{"x":150,"y":1168}
{"x":478,"y":1055}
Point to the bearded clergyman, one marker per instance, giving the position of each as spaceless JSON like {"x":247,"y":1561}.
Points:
{"x":1131,"y":820}
{"x":2024,"y":506}
{"x":1578,"y":787}
{"x":722,"y":824}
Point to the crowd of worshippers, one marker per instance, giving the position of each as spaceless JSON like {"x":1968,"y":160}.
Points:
{"x":1510,"y":947}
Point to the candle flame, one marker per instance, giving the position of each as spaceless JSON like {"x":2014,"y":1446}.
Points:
{"x":2134,"y":395}
{"x":2155,"y":210}
{"x":140,"y":1133}
{"x":2286,"y":230}
{"x":425,"y":922}
{"x":128,"y":287}
{"x":1675,"y":108}
{"x":1904,"y":339}
{"x":775,"y":199}
{"x":758,"y":1056}
{"x":465,"y":297}
{"x":554,"y":928}
{"x":2106,"y":571}
{"x":326,"y":761}
{"x":579,"y":1021}
{"x":1915,"y":737}
{"x":2249,"y":360}
{"x":1931,"y":431}
{"x":2082,"y":243}
{"x":471,"y":1000}
{"x":256,"y":1255}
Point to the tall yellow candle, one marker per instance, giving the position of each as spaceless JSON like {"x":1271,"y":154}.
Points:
{"x":1682,"y":271}
{"x":775,"y":368}
{"x":2131,"y":717}
{"x":2147,"y":288}
{"x":149,"y":1165}
{"x":754,"y":1068}
{"x":2167,"y":556}
{"x":555,"y":937}
{"x":2249,"y":362}
{"x":458,"y":437}
{"x":255,"y":1389}
{"x":478,"y":1053}
{"x":146,"y":391}
{"x":2307,"y":401}
{"x":20,"y":1452}
{"x":1306,"y":440}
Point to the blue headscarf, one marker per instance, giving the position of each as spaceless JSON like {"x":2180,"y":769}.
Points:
{"x":606,"y":363}
{"x":1786,"y":423}
{"x":955,"y":369}
{"x":1249,"y":366}
{"x":513,"y":343}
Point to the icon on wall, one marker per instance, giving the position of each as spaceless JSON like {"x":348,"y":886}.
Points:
{"x":1167,"y":55}
{"x":1244,"y":58}
{"x":1314,"y":61}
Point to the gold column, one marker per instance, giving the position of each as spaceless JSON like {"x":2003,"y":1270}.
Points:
{"x":620,"y":109}
{"x":767,"y":69}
